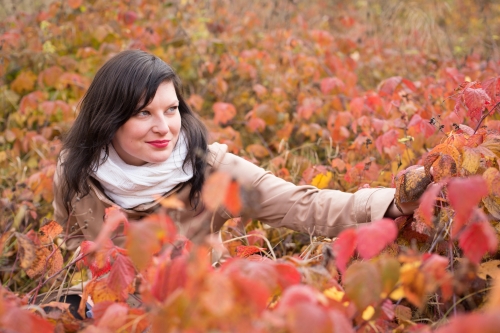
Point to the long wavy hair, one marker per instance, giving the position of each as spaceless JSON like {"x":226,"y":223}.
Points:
{"x":123,"y":86}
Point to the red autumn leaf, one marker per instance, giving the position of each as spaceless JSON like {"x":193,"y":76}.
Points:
{"x":419,"y":125}
{"x":224,"y":112}
{"x":259,"y":89}
{"x":129,"y":17}
{"x":287,"y":275}
{"x":388,"y":86}
{"x":254,"y":237}
{"x":14,"y":319}
{"x":98,"y":260}
{"x":375,"y":236}
{"x":114,"y":316}
{"x":356,"y":106}
{"x":344,"y":248}
{"x":169,"y":276}
{"x":476,"y":100}
{"x":428,"y":201}
{"x":243,"y":251}
{"x":256,"y":124}
{"x":434,"y":269}
{"x":113,"y":217}
{"x":387,"y":140}
{"x":296,"y":294}
{"x":478,"y":238}
{"x":492,"y":88}
{"x":464,"y":194}
{"x":482,"y":322}
{"x":331,"y":83}
{"x":121,"y":275}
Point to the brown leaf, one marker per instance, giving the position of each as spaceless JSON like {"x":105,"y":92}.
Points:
{"x":489,"y":268}
{"x":26,"y":250}
{"x":362,"y":283}
{"x":411,"y":184}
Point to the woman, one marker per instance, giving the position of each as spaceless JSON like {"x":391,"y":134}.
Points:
{"x":135,"y":139}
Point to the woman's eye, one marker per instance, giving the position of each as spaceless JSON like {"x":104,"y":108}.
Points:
{"x":172,"y":109}
{"x":143,"y":113}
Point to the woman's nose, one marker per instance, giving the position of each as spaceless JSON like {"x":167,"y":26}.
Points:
{"x":160,"y":125}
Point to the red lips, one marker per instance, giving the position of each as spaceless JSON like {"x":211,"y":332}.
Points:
{"x":159,"y":143}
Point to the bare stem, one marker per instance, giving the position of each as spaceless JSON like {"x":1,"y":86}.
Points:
{"x":486,"y":115}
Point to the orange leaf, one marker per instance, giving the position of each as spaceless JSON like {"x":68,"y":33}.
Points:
{"x":215,"y":189}
{"x":48,"y":232}
{"x":224,"y":112}
{"x":196,"y":102}
{"x":24,"y":82}
{"x":49,"y":77}
{"x":142,"y":243}
{"x":100,"y":292}
{"x":257,"y":150}
{"x":232,"y":201}
{"x":74,"y":4}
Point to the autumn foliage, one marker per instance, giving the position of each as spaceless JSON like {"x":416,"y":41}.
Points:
{"x":336,"y":95}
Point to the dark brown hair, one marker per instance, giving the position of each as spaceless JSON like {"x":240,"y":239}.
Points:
{"x":123,"y":86}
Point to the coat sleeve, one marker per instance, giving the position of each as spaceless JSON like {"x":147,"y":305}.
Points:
{"x":62,"y":216}
{"x":306,"y":208}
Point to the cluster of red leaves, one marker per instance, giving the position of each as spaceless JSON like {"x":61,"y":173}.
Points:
{"x":318,"y":99}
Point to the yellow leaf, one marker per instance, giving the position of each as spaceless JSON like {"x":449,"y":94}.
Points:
{"x":172,"y":202}
{"x":48,"y":47}
{"x":321,"y":180}
{"x":368,"y":313}
{"x":334,"y":294}
{"x":397,"y":294}
{"x":471,"y":160}
{"x":413,"y":282}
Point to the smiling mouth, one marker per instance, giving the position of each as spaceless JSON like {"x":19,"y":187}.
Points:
{"x":159,"y":143}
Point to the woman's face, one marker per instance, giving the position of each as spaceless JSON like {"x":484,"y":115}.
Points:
{"x":151,"y":135}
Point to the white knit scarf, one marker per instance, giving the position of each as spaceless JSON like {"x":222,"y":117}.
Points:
{"x":129,"y":185}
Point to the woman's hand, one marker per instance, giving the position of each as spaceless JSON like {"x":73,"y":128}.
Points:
{"x":411,"y":183}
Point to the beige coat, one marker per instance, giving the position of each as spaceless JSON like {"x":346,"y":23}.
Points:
{"x":282,"y":204}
